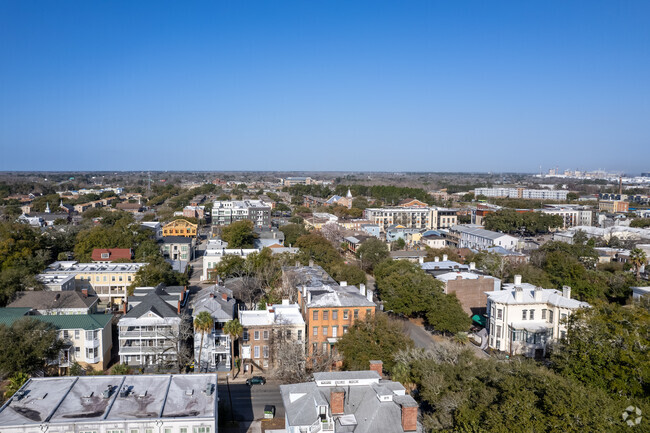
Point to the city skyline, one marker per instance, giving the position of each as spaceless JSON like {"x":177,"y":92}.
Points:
{"x":369,"y":86}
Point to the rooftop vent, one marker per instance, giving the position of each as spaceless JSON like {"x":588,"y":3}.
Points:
{"x":20,"y":394}
{"x":143,"y":394}
{"x":189,"y":391}
{"x":208,"y":389}
{"x":89,"y":395}
{"x":124,"y":392}
{"x":107,"y":392}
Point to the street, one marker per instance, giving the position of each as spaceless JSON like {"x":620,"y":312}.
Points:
{"x":248,"y":402}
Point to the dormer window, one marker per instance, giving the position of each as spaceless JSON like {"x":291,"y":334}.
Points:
{"x":105,"y":255}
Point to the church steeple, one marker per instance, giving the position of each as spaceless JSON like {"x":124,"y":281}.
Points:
{"x":47,"y":207}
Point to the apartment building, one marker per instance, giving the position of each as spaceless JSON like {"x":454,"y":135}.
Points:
{"x":523,"y":318}
{"x":216,"y":352}
{"x":267,"y":332}
{"x":572,"y":215}
{"x":477,"y":238}
{"x":533,"y":194}
{"x":350,"y":401}
{"x":613,"y":206}
{"x":228,"y":212}
{"x":470,"y":288}
{"x":108,"y":281}
{"x":178,"y":248}
{"x":194,"y":211}
{"x":215,"y":251}
{"x":416,"y":217}
{"x":56,"y":282}
{"x":150,"y":333}
{"x":180,"y":227}
{"x":86,"y":337}
{"x":114,"y":404}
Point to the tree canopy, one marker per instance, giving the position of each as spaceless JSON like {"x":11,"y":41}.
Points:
{"x":239,"y":234}
{"x":375,"y":337}
{"x":372,"y":252}
{"x":27,"y":345}
{"x":527,"y":223}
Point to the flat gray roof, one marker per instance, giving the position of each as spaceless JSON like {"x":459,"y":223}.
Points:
{"x":66,"y":400}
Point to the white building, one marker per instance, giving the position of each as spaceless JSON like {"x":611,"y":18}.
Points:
{"x":477,"y":238}
{"x":572,"y":215}
{"x":523,"y":318}
{"x":57,"y":282}
{"x":150,"y":332}
{"x":537,"y":194}
{"x":262,"y":328}
{"x":216,"y":352}
{"x":228,"y":212}
{"x":216,"y":250}
{"x":416,"y":217}
{"x":114,"y":404}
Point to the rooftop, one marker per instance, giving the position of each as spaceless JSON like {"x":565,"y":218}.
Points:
{"x":276,"y":314}
{"x":62,"y":267}
{"x":69,"y":400}
{"x":46,"y":300}
{"x":548,"y":296}
{"x":87,"y":322}
{"x":477,"y":231}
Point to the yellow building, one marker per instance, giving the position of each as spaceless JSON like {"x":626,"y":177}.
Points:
{"x":180,"y":228}
{"x":613,"y":206}
{"x":109,"y":281}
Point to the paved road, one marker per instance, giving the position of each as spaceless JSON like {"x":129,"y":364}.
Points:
{"x":248,"y":402}
{"x":420,"y":336}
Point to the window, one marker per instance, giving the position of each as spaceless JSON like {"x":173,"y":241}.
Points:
{"x":335,"y":330}
{"x":563,"y":316}
{"x":112,"y":277}
{"x":498,"y":331}
{"x":345,"y":314}
{"x":288,"y":334}
{"x":345,"y":329}
{"x":134,"y":430}
{"x":66,"y":334}
{"x":183,"y":430}
{"x":335,"y":314}
{"x":315,"y":333}
{"x":543,"y":313}
{"x":167,"y":430}
{"x":325,"y":331}
{"x":498,"y":344}
{"x":77,"y":350}
{"x":326,"y":315}
{"x":550,"y":316}
{"x":257,"y":351}
{"x":201,"y":430}
{"x":300,"y":334}
{"x":120,"y":278}
{"x":105,"y":278}
{"x":523,"y":315}
{"x":148,"y":430}
{"x":265,"y":351}
{"x":256,"y":335}
{"x":265,"y":334}
{"x":245,"y":336}
{"x":105,"y":255}
{"x":500,"y":313}
{"x":492,"y":311}
{"x":368,"y":312}
{"x":356,"y":314}
{"x":532,"y":315}
{"x":563,"y":334}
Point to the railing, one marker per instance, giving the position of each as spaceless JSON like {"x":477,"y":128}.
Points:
{"x":92,"y":343}
{"x":127,"y":350}
{"x":146,"y":334}
{"x":320,"y":425}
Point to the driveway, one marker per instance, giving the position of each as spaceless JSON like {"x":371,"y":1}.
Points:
{"x":248,"y":402}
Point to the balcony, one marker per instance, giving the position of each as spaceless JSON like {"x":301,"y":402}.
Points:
{"x":92,"y":344}
{"x":143,"y":334}
{"x":136,"y":350}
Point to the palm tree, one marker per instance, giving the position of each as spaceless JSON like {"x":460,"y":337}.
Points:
{"x":235,"y":330}
{"x":203,"y":323}
{"x":637,"y":259}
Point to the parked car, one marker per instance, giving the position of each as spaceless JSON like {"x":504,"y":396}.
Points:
{"x":255,"y":380}
{"x":269,"y":411}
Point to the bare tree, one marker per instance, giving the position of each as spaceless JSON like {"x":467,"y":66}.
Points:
{"x":178,"y":351}
{"x":333,"y":233}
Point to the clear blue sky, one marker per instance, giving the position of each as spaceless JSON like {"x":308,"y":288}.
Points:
{"x":324,"y":85}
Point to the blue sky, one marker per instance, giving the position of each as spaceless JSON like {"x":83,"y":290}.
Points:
{"x":324,"y":85}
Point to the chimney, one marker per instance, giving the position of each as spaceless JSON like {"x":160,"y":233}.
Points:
{"x":377,"y":366}
{"x":224,"y":296}
{"x":445,"y":257}
{"x":472,"y":266}
{"x":311,"y":263}
{"x":337,"y":399}
{"x":369,"y":294}
{"x":343,"y":283}
{"x":212,"y":295}
{"x":178,"y":308}
{"x":421,"y":259}
{"x":409,"y":415}
{"x":124,"y":305}
{"x":297,"y":264}
{"x":519,"y":294}
{"x":566,"y":292}
{"x":309,"y":297}
{"x":84,"y":292}
{"x":304,"y":292}
{"x":362,"y":289}
{"x":538,"y":294}
{"x":436,"y":259}
{"x":517,"y":280}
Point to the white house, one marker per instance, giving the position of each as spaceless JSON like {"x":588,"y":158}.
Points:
{"x":216,"y":250}
{"x":523,"y":318}
{"x":216,"y":351}
{"x":477,"y":238}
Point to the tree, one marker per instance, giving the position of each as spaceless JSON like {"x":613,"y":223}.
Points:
{"x":121,"y":370}
{"x":203,"y":323}
{"x":349,"y":273}
{"x":607,"y":346}
{"x":16,"y":381}
{"x":28,"y":344}
{"x":405,"y":288}
{"x":156,"y":272}
{"x":375,"y":337}
{"x":292,"y":232}
{"x":451,"y":254}
{"x":235,"y":330}
{"x":239,"y":234}
{"x":372,"y":252}
{"x":332,"y":232}
{"x":446,"y":315}
{"x":638,"y":259}
{"x":315,"y":247}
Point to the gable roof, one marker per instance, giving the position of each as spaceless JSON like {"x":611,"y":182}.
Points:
{"x":47,"y":300}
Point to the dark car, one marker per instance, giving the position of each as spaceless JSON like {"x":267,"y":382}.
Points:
{"x":255,"y":380}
